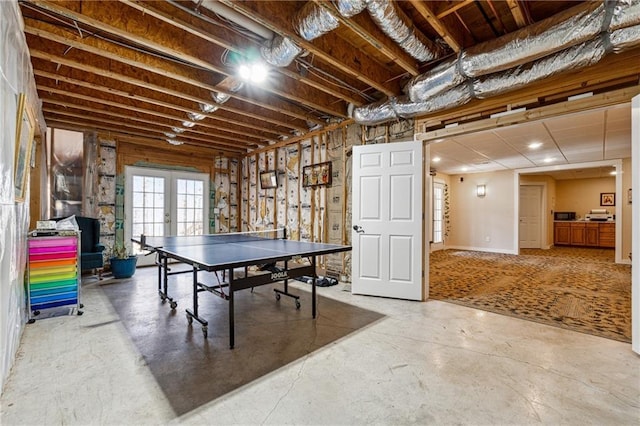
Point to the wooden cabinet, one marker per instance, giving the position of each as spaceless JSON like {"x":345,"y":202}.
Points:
{"x":577,"y":234}
{"x":53,"y":273}
{"x":590,"y":234}
{"x":607,"y":235}
{"x":562,"y":234}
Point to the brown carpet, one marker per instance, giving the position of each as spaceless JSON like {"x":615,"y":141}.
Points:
{"x":577,"y":289}
{"x":192,"y":370}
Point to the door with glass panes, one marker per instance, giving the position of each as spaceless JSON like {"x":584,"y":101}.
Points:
{"x":164,"y":202}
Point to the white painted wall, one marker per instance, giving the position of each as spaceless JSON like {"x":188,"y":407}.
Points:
{"x":484,"y":224}
{"x":16,"y":76}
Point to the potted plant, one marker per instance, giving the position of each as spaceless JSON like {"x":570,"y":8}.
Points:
{"x":123,"y":263}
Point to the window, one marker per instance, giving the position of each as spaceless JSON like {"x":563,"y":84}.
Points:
{"x":438,"y":213}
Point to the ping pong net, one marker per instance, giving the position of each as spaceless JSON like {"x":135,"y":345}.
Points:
{"x":211,"y":239}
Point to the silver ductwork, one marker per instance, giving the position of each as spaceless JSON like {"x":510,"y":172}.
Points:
{"x":386,"y":16}
{"x":625,"y":14}
{"x":625,"y":39}
{"x":312,"y":21}
{"x":349,"y":8}
{"x":281,"y":52}
{"x":552,"y":46}
{"x":568,"y":28}
{"x":573,"y":58}
{"x":441,"y":78}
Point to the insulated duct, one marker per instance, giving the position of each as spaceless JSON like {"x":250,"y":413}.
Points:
{"x":312,"y":21}
{"x":384,"y":14}
{"x":626,"y":14}
{"x":445,"y":87}
{"x":573,"y":58}
{"x":568,"y":28}
{"x":281,"y":52}
{"x":349,"y":8}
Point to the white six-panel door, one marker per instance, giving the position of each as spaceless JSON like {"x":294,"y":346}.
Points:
{"x":530,"y":222}
{"x":387,"y":220}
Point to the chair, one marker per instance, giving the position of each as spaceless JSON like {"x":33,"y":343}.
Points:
{"x":90,"y":247}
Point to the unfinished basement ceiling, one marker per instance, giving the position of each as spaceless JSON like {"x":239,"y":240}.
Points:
{"x":139,"y":69}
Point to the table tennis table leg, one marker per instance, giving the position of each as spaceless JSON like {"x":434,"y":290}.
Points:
{"x":231,"y":312}
{"x":191,"y":315}
{"x":163,"y":287}
{"x":313,"y":287}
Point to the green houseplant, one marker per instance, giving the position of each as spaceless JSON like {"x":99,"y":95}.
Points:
{"x":123,"y":263}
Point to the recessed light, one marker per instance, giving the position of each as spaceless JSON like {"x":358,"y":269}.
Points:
{"x":465,"y":168}
{"x":436,"y":159}
{"x":548,"y":160}
{"x":535,"y":145}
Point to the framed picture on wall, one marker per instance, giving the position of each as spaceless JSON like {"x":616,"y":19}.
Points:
{"x":25,"y":127}
{"x":607,"y":199}
{"x":268,"y":179}
{"x":317,"y":174}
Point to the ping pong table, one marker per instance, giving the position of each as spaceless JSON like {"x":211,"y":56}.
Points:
{"x":269,"y":251}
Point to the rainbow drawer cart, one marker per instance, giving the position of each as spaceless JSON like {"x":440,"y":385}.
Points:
{"x":53,"y":273}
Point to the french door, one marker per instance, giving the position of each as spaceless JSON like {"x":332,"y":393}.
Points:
{"x":164,"y":202}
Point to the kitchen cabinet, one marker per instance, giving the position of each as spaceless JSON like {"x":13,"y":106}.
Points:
{"x":607,"y":235}
{"x":581,"y":233}
{"x":562,"y":233}
{"x":592,"y":234}
{"x":577,"y":233}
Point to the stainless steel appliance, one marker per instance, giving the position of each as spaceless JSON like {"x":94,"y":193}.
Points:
{"x":601,"y":215}
{"x":564,"y":216}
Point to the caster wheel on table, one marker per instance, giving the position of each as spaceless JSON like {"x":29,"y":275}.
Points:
{"x":189,"y":319}
{"x":31,"y":321}
{"x":297,"y":304}
{"x":277,"y":296}
{"x":205,"y":329}
{"x":80,"y":312}
{"x":173,"y":304}
{"x":81,"y":305}
{"x":36,"y":312}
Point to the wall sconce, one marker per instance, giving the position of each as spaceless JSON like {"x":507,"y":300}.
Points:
{"x":481,"y":190}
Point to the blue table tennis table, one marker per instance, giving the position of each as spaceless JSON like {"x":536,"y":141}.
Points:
{"x":269,"y":251}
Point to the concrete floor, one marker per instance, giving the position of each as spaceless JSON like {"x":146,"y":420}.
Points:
{"x":422,"y":363}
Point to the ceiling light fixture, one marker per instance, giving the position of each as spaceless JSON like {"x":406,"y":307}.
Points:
{"x":195,"y":116}
{"x":436,"y":159}
{"x":255,"y":73}
{"x":535,"y":145}
{"x":548,"y":160}
{"x":208,"y":108}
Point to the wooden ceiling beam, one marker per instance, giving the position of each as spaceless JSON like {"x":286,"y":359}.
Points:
{"x":151,"y":9}
{"x":448,"y":8}
{"x":110,"y":18}
{"x":159,"y":126}
{"x":185,"y":91}
{"x":368,"y":31}
{"x":91,"y":98}
{"x":100,"y":122}
{"x":117,"y":130}
{"x":279,"y":17}
{"x":518,"y":13}
{"x":452,"y":39}
{"x":176,"y":94}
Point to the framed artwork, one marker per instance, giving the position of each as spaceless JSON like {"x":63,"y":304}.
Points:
{"x":317,"y":174}
{"x":268,"y":179}
{"x":25,"y":127}
{"x":607,"y":199}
